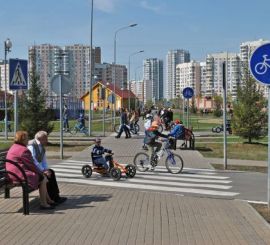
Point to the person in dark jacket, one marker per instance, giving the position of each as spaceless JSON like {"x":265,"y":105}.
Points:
{"x":97,"y":154}
{"x":38,"y":151}
{"x":123,"y":125}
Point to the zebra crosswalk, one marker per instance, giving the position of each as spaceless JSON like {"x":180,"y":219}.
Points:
{"x":203,"y":182}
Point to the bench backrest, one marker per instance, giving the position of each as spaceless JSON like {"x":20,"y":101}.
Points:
{"x":2,"y":168}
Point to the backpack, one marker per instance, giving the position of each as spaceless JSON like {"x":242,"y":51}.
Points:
{"x":150,"y":137}
{"x":147,"y":124}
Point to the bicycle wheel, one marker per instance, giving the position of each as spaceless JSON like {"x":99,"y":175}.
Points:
{"x":141,"y":160}
{"x":116,"y":128}
{"x":85,"y":131}
{"x":137,"y":127}
{"x":133,"y":130}
{"x":260,"y":68}
{"x":174,"y":164}
{"x":74,"y":130}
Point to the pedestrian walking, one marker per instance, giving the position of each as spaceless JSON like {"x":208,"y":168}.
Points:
{"x":123,"y":125}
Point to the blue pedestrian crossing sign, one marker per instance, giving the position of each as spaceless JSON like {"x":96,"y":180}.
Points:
{"x":18,"y":74}
{"x":259,"y":64}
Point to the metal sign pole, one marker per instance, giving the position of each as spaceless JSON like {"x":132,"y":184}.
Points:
{"x":61,"y":118}
{"x":15,"y":112}
{"x":184,"y":110}
{"x":224,"y":116}
{"x":268,"y":178}
{"x":104,"y":117}
{"x":187,"y":113}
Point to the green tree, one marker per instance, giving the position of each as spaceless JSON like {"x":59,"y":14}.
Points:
{"x":217,"y":105}
{"x":249,"y":115}
{"x":33,"y":114}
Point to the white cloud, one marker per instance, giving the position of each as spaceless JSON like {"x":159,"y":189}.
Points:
{"x":148,"y":6}
{"x":105,"y":5}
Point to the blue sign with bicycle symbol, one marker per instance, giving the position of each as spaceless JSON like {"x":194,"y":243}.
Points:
{"x":259,"y":64}
{"x":188,"y":92}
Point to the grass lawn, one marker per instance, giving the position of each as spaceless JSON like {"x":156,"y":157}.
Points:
{"x":240,"y":168}
{"x":235,"y":151}
{"x":74,"y":146}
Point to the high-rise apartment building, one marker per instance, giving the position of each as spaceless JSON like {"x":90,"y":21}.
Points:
{"x":173,"y":58}
{"x":246,"y":50}
{"x":188,"y":75}
{"x":203,"y":78}
{"x":72,"y":60}
{"x":214,"y":73}
{"x":153,"y":72}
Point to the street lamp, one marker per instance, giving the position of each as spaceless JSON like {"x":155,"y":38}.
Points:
{"x":7,"y":45}
{"x":114,"y":63}
{"x":141,"y":51}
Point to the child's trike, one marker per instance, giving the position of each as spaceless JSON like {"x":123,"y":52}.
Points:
{"x":115,"y":170}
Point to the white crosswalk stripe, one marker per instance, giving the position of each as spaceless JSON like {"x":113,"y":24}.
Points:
{"x":194,"y":181}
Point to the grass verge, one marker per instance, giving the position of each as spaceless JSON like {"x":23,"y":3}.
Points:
{"x":256,"y":151}
{"x":240,"y":168}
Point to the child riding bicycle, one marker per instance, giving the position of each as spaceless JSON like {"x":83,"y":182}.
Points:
{"x":151,"y":135}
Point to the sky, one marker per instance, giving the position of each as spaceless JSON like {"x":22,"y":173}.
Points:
{"x":200,"y":26}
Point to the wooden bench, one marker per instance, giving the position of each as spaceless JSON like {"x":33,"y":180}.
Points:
{"x":189,"y":140}
{"x":7,"y":185}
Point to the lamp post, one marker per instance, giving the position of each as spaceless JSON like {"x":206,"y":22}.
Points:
{"x":114,"y":64}
{"x":8,"y":45}
{"x":90,"y":70}
{"x":141,"y":51}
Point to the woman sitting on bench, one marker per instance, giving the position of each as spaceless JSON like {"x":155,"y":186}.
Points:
{"x":19,"y":153}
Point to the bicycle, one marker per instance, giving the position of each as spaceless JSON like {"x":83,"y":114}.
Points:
{"x":262,"y":67}
{"x":77,"y":128}
{"x":135,"y":128}
{"x":174,"y":163}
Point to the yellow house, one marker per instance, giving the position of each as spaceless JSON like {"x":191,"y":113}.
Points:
{"x":101,"y":89}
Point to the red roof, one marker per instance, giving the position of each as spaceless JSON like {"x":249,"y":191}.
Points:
{"x":125,"y":93}
{"x":118,"y":91}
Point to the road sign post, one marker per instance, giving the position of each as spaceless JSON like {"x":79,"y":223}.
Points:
{"x":259,"y":66}
{"x":188,"y":93}
{"x":18,"y":75}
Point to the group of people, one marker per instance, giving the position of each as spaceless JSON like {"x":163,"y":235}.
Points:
{"x":127,"y":122}
{"x":166,"y":115}
{"x":31,"y":156}
{"x":152,"y":133}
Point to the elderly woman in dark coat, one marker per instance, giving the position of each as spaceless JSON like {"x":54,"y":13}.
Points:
{"x":19,"y":153}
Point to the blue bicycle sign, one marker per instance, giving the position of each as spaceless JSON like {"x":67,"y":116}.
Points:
{"x":260,"y":64}
{"x":262,"y":67}
{"x":188,"y":92}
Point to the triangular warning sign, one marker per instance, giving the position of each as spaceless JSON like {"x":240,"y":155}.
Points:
{"x":18,"y":77}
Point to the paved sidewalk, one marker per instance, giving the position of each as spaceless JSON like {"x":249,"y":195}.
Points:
{"x":106,"y":215}
{"x":99,"y":215}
